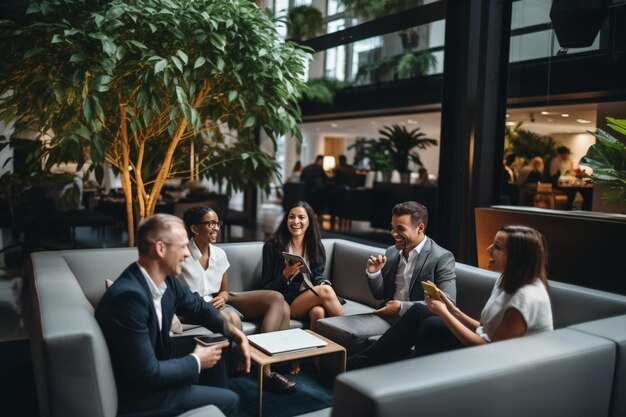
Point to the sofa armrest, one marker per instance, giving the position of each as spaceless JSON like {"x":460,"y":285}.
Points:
{"x":543,"y":374}
{"x":613,"y":329}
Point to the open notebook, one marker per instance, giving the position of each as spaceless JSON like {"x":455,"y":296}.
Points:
{"x":285,"y":341}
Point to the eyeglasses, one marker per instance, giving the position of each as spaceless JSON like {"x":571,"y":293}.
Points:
{"x":212,"y":223}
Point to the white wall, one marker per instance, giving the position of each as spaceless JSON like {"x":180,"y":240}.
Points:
{"x":578,"y":143}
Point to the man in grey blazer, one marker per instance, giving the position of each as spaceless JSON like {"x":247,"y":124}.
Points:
{"x":395,"y":278}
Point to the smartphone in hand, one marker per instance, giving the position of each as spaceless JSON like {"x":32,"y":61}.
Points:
{"x":212,"y":339}
{"x":431,"y":290}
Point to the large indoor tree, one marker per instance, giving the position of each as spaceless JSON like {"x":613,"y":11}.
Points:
{"x":129,"y":83}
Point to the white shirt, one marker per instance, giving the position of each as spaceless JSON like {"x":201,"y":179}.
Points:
{"x":532,"y":301}
{"x":404,"y":272}
{"x":157,"y":294}
{"x":561,"y":166}
{"x":205,"y":282}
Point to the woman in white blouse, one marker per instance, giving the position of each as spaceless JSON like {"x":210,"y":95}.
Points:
{"x":519,"y":305}
{"x":205,"y":274}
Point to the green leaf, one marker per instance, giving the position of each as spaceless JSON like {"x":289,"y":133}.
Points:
{"x":99,"y":20}
{"x":619,"y":125}
{"x":138,"y":44}
{"x":79,"y":57}
{"x":177,"y":63}
{"x":220,"y":64}
{"x":33,"y":8}
{"x":181,"y":96}
{"x":199,"y":62}
{"x":232,"y":95}
{"x":57,"y":38}
{"x":87,"y":113}
{"x":32,"y":52}
{"x":101,"y":83}
{"x":250,"y":121}
{"x":160,"y":66}
{"x":108,"y":46}
{"x":183,"y":56}
{"x":115,"y":12}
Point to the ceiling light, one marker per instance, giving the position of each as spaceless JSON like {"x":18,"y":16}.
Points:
{"x":510,"y":123}
{"x":412,"y":122}
{"x":374,"y":122}
{"x":549,"y":119}
{"x":545,"y":113}
{"x":507,"y":115}
{"x":564,"y":115}
{"x":334,"y":125}
{"x":583,"y":121}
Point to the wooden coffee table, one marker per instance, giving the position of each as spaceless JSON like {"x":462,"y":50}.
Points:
{"x":263,"y":360}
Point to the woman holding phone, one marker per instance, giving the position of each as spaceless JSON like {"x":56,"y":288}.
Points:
{"x":299,"y":234}
{"x":204,"y":272}
{"x":519,"y":305}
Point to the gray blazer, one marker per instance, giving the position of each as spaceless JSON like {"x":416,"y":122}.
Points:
{"x":434,"y":263}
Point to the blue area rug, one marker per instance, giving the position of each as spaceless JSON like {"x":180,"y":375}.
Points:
{"x":312,"y":392}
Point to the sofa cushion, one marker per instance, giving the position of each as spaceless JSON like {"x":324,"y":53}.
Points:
{"x":353,"y":331}
{"x":91,"y":267}
{"x":348,"y":271}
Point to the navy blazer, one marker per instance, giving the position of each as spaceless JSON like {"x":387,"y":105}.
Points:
{"x":140,"y":352}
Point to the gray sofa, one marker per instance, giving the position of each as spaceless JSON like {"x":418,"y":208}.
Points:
{"x":74,"y":374}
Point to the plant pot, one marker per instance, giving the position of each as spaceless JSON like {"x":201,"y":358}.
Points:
{"x":405,"y":177}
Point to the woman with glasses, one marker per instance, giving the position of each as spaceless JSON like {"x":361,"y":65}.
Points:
{"x":205,"y":274}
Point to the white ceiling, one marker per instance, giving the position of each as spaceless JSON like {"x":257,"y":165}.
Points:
{"x":430,"y":123}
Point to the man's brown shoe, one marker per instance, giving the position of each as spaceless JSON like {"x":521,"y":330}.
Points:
{"x":277,"y":383}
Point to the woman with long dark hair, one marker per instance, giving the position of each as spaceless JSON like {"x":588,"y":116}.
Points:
{"x":519,"y":305}
{"x":205,"y":274}
{"x":298,"y":233}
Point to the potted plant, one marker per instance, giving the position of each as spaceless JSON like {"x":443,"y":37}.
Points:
{"x":376,"y":153}
{"x":402,"y":145}
{"x":304,"y":22}
{"x":323,"y":90}
{"x":371,"y":9}
{"x":134,"y":81}
{"x":527,"y":144}
{"x":415,"y":64}
{"x":607,"y":158}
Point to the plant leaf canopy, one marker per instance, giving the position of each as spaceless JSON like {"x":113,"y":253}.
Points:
{"x":130,"y":81}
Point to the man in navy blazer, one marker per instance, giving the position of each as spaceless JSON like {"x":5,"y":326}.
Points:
{"x":156,"y":375}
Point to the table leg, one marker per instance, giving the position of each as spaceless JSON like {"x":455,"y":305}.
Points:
{"x":344,"y":360}
{"x":261,"y":369}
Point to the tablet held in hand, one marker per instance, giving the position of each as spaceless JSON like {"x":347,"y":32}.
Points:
{"x":294,"y":259}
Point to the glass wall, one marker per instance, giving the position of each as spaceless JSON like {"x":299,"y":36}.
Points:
{"x":546,"y":141}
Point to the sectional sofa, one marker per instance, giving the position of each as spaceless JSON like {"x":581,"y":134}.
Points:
{"x":577,"y":370}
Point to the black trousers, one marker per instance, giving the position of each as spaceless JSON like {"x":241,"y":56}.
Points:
{"x":418,"y":328}
{"x":211,"y":389}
